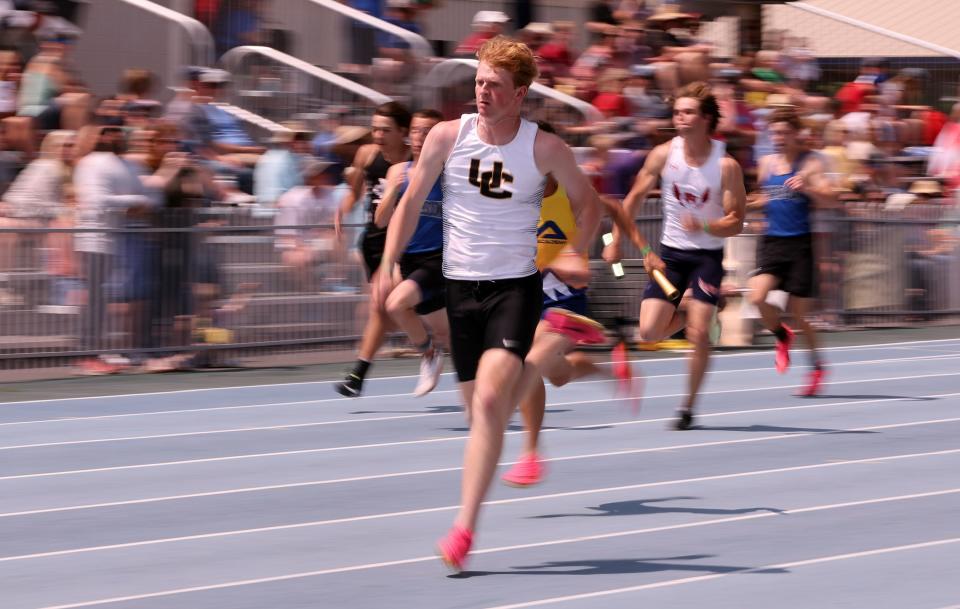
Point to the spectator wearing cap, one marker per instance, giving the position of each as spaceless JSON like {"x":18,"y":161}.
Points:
{"x":216,"y":135}
{"x":486,"y":25}
{"x":280,"y":168}
{"x":660,"y":24}
{"x":181,"y":106}
{"x":312,"y":208}
{"x":535,"y":35}
{"x":556,"y":54}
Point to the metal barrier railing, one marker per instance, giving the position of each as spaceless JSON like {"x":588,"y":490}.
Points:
{"x":180,"y":281}
{"x":227,"y":279}
{"x":120,"y":34}
{"x":277,"y":86}
{"x":449,"y":87}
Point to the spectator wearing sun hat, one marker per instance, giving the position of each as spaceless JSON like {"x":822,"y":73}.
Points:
{"x":486,"y":25}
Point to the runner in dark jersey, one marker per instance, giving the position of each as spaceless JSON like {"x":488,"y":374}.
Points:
{"x":390,"y":124}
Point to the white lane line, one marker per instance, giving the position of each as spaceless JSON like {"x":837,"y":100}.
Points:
{"x":422,"y":559}
{"x":408,"y":376}
{"x":369,"y":477}
{"x":220,"y":408}
{"x":307,"y":451}
{"x":701,"y":578}
{"x":446,"y":508}
{"x":187,"y":434}
{"x":437,"y":392}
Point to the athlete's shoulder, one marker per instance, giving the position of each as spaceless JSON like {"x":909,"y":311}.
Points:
{"x":366,"y":154}
{"x":657,"y":159}
{"x":730,"y":169}
{"x":728,"y":162}
{"x":445,"y":132}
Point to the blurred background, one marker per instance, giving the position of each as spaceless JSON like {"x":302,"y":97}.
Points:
{"x":146,"y":148}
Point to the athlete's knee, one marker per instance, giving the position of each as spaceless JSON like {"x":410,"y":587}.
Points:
{"x":486,"y":401}
{"x":697,"y":336}
{"x":559,"y":379}
{"x":757,"y":297}
{"x":649,"y":333}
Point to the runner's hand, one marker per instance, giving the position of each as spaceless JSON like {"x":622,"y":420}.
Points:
{"x":796,"y":183}
{"x":382,"y":284}
{"x":571,"y":268}
{"x":652,"y":262}
{"x":613,"y":253}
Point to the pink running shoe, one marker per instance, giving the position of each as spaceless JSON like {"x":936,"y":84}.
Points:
{"x":782,"y":357}
{"x":814,"y":382}
{"x":581,"y":330}
{"x":453,"y":548}
{"x":628,"y":386}
{"x":525,"y":472}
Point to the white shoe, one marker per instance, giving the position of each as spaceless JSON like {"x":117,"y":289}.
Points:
{"x":430,"y":368}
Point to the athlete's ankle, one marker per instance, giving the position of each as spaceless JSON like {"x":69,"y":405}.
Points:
{"x":361,"y":368}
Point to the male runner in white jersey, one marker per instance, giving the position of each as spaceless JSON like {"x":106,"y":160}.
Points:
{"x":703,"y":202}
{"x":494,"y":166}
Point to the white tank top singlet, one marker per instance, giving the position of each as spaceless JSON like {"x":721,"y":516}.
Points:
{"x":491,"y":205}
{"x":691,"y":191}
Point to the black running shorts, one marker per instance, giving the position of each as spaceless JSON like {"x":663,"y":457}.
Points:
{"x":501,"y":314}
{"x":699,"y":270}
{"x":426,"y":270}
{"x":372,"y":244}
{"x":789,"y":259}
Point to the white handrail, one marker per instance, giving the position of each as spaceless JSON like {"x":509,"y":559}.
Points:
{"x":232,"y":58}
{"x":253,"y":119}
{"x":588,"y":111}
{"x":875,"y":29}
{"x":418,"y":44}
{"x":200,"y":37}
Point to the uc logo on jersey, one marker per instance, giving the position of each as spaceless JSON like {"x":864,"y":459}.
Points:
{"x":489,"y":182}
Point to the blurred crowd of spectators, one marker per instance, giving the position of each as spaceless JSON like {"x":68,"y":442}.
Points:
{"x":131,"y":164}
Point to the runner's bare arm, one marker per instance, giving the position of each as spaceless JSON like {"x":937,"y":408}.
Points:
{"x":355,"y":181}
{"x":734,"y":201}
{"x":758,"y":200}
{"x":553,"y":156}
{"x":388,"y":202}
{"x":815,"y":183}
{"x":647,"y":179}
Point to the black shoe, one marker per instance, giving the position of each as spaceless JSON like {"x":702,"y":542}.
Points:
{"x":684,"y":420}
{"x":350,"y":387}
